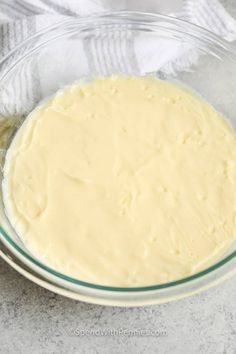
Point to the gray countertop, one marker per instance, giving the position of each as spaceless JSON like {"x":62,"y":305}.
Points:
{"x":34,"y":320}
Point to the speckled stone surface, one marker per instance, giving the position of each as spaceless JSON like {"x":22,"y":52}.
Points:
{"x":36,"y":321}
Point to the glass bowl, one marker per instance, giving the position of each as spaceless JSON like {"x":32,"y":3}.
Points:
{"x":128,"y":43}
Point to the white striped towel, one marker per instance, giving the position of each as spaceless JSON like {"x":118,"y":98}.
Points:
{"x":20,"y":19}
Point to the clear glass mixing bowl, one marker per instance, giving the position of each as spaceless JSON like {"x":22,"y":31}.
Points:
{"x":128,"y":43}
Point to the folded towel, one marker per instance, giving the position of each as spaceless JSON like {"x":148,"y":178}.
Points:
{"x":20,"y":19}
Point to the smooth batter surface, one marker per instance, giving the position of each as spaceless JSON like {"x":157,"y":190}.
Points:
{"x":124,"y":182}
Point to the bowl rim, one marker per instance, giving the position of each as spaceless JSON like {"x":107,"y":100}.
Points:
{"x":123,"y":15}
{"x":126,"y":17}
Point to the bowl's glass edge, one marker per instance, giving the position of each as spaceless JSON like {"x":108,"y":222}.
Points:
{"x":126,"y":16}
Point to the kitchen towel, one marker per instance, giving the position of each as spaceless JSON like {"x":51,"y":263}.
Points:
{"x":20,"y":19}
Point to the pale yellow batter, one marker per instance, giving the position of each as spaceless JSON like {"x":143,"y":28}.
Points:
{"x":124,"y":182}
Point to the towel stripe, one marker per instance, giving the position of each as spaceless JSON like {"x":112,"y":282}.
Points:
{"x":58,"y":8}
{"x":33,"y":10}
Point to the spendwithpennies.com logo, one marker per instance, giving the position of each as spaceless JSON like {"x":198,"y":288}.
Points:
{"x":110,"y":332}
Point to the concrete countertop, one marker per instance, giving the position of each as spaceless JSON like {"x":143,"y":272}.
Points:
{"x":36,"y":321}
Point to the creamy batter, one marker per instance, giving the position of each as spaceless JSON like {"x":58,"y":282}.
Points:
{"x":124,"y":182}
